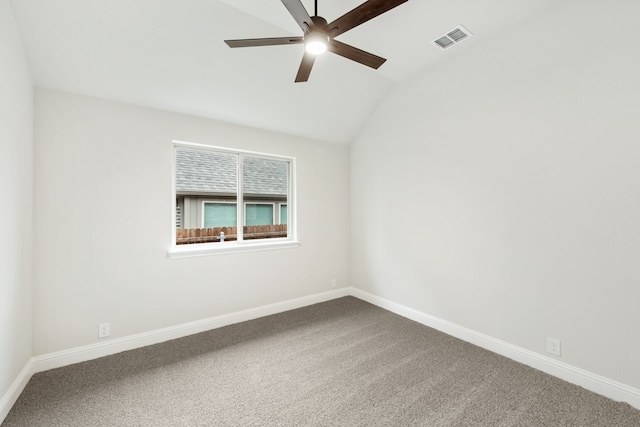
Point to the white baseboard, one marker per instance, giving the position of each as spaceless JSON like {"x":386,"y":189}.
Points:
{"x":593,"y":382}
{"x":94,"y":351}
{"x":596,"y":383}
{"x":14,"y":391}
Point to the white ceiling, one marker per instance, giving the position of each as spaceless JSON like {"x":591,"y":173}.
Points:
{"x":170,"y":55}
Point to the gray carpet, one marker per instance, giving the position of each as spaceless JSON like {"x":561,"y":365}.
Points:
{"x":339,"y":363}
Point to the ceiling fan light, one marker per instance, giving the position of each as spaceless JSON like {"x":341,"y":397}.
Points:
{"x":316,"y":43}
{"x":316,"y":48}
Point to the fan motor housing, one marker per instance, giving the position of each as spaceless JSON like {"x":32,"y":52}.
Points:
{"x":319,"y":22}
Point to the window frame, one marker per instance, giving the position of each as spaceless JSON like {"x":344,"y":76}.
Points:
{"x":203,"y":249}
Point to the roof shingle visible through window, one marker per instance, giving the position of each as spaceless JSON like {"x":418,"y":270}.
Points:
{"x":213,"y":172}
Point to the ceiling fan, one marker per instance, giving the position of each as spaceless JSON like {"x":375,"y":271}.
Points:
{"x":319,"y":36}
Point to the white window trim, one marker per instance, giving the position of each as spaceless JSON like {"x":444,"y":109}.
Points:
{"x":203,"y":249}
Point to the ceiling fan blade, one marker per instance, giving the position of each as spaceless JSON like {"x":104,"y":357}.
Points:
{"x":361,"y":14}
{"x":263,"y":42}
{"x":299,"y":13}
{"x":305,"y":67}
{"x":355,"y":54}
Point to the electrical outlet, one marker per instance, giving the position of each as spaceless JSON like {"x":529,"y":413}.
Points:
{"x":334,"y":283}
{"x":104,"y":330}
{"x":553,"y":346}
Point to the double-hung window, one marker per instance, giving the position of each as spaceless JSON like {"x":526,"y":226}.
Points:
{"x":230,"y":200}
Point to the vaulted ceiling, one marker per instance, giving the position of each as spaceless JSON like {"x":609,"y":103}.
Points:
{"x":170,"y":55}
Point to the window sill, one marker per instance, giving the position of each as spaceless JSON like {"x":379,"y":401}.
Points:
{"x":204,"y":249}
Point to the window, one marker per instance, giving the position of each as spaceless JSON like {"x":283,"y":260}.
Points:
{"x":258,"y":214}
{"x":211,"y":182}
{"x":219,"y":214}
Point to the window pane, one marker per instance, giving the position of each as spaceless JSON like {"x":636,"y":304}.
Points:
{"x":211,"y":198}
{"x":206,"y":195}
{"x":220,"y":215}
{"x":265,"y":185}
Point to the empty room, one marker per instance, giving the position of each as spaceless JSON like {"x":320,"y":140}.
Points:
{"x":319,"y":213}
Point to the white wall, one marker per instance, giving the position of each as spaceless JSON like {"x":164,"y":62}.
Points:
{"x":103,"y":223}
{"x":16,"y":188}
{"x":499,"y":191}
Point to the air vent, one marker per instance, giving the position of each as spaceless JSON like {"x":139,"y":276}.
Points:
{"x":452,"y":37}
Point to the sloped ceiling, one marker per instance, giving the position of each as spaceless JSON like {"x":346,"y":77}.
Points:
{"x":170,"y":55}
